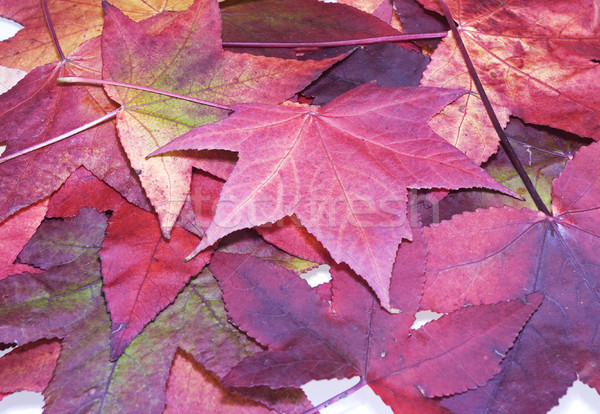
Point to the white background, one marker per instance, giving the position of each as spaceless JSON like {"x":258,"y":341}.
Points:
{"x":580,"y":399}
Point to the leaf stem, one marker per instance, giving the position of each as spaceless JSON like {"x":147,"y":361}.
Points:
{"x":510,"y":152}
{"x":337,"y":397}
{"x":102,"y":82}
{"x":365,"y":41}
{"x":52,"y":32}
{"x":60,"y":137}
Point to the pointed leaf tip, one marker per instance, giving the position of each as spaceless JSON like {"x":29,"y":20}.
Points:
{"x":374,"y":136}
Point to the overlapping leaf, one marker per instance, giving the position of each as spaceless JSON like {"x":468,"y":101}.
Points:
{"x":33,"y":46}
{"x":208,"y":394}
{"x":197,"y":323}
{"x":291,"y":21}
{"x":387,"y":64}
{"x":67,"y":303}
{"x":63,"y":302}
{"x":15,"y":233}
{"x":308,"y":339}
{"x":28,"y":367}
{"x":536,"y":60}
{"x":539,"y":60}
{"x":74,"y":23}
{"x":142,"y":272}
{"x":289,"y":235}
{"x":250,"y":243}
{"x":186,"y":58}
{"x":526,"y":251}
{"x":36,"y":110}
{"x":342,"y":169}
{"x":543,"y":152}
{"x":416,"y":19}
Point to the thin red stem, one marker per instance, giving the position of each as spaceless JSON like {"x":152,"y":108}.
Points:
{"x":61,"y":137}
{"x":52,"y":32}
{"x":510,"y":152}
{"x":337,"y":397}
{"x":366,"y":41}
{"x":102,"y":82}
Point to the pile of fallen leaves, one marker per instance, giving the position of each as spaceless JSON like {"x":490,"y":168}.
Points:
{"x":169,"y":173}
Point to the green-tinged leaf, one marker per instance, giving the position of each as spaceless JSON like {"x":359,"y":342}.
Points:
{"x":185,"y":58}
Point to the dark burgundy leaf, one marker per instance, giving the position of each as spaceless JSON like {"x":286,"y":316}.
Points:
{"x":526,"y":251}
{"x":310,"y":339}
{"x":387,"y":64}
{"x":296,"y":21}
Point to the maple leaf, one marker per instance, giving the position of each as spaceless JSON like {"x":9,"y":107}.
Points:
{"x":204,"y":192}
{"x":142,"y":272}
{"x":65,"y":301}
{"x":135,"y":327}
{"x":543,"y":151}
{"x":526,"y":251}
{"x":368,"y":146}
{"x":33,"y":111}
{"x":28,"y":367}
{"x":198,"y":324}
{"x":187,"y":59}
{"x":62,"y":302}
{"x":309,"y":340}
{"x":73,"y":22}
{"x":535,"y":59}
{"x":460,"y":124}
{"x":291,"y":21}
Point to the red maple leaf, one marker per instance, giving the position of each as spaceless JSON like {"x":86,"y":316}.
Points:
{"x":187,"y":59}
{"x":289,"y":235}
{"x":142,"y":271}
{"x":342,"y":169}
{"x":533,"y":57}
{"x":309,"y":339}
{"x":33,"y":111}
{"x":526,"y":251}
